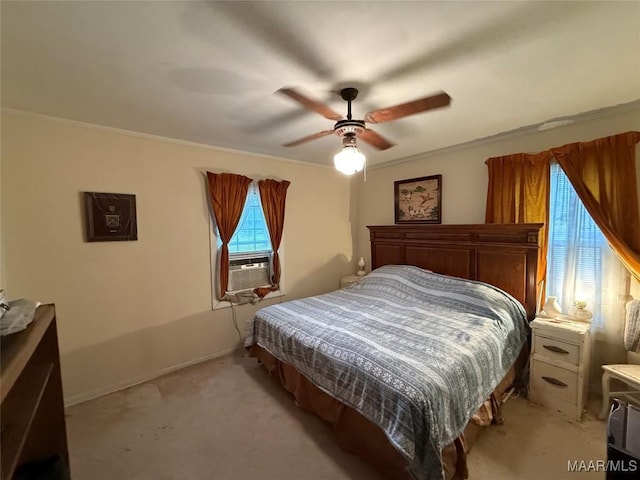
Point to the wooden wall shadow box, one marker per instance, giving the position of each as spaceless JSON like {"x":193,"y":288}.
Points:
{"x":110,"y":217}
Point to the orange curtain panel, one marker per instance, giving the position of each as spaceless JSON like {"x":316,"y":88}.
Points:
{"x":228,"y":194}
{"x":603,"y":173}
{"x":273,"y":195}
{"x":519,"y":193}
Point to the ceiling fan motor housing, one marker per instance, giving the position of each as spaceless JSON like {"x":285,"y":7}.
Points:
{"x":351,"y":128}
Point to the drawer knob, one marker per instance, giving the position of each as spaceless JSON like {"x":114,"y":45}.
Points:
{"x":555,"y":349}
{"x":555,"y":381}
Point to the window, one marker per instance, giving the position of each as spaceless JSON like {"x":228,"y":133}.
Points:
{"x":579,"y":261}
{"x":252,"y":234}
{"x":248,"y":267}
{"x":250,"y":251}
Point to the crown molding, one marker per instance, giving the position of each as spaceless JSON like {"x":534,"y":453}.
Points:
{"x":151,"y":136}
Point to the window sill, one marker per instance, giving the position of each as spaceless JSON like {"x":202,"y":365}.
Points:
{"x":225,"y":304}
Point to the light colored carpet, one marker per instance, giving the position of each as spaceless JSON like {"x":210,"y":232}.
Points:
{"x":226,"y":419}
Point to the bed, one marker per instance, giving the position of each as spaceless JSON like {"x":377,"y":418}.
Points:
{"x":410,"y":361}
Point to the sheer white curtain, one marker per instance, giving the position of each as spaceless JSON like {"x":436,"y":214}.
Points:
{"x":581,"y":265}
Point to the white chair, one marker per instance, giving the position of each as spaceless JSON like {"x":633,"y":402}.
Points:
{"x":628,"y":373}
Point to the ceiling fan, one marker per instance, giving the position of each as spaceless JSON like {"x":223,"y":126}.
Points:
{"x":350,"y":129}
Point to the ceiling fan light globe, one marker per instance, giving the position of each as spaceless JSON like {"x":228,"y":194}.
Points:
{"x":349,"y":160}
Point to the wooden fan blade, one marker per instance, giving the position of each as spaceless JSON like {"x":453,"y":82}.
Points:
{"x":310,"y":104}
{"x":409,"y":108}
{"x":307,"y":138}
{"x":374,"y":139}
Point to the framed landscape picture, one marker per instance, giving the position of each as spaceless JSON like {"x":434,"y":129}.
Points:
{"x":418,"y":200}
{"x":110,"y":217}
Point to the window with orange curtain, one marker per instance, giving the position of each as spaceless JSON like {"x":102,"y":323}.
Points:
{"x":250,"y":252}
{"x":247,"y":266}
{"x":580,"y":263}
{"x":601,"y":175}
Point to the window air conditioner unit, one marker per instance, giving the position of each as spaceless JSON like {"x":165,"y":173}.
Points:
{"x":247,"y":272}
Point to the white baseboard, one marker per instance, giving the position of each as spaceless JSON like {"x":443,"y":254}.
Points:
{"x":99,"y":392}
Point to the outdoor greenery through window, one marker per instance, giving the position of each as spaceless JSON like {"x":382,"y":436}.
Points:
{"x":252,"y":234}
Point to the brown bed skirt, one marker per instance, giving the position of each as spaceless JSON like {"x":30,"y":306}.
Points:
{"x":358,"y":435}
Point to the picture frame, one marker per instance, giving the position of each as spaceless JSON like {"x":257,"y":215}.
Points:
{"x":418,"y":200}
{"x":110,"y":217}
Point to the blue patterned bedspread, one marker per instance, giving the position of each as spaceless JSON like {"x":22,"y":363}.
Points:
{"x":415,"y":352}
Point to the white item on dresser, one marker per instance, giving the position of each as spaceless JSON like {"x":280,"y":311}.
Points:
{"x":559,"y":365}
{"x":18,"y":316}
{"x":551,"y":308}
{"x":579,"y":312}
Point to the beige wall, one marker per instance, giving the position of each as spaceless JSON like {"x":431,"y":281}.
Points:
{"x":130,"y":310}
{"x":464,"y":190}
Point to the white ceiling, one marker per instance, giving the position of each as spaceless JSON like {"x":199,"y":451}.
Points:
{"x":208,"y":72}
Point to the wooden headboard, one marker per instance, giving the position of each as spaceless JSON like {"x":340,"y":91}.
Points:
{"x":504,"y":255}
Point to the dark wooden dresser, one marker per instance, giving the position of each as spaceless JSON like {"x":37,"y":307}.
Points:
{"x":33,"y":430}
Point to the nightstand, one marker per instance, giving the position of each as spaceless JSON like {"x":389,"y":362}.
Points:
{"x":349,"y":280}
{"x":559,"y":362}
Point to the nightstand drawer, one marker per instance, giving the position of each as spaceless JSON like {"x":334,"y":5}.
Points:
{"x":558,"y":350}
{"x":551,"y":381}
{"x":548,"y":400}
